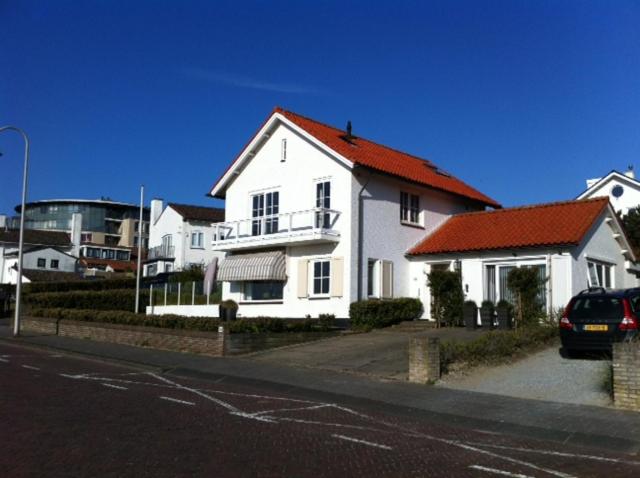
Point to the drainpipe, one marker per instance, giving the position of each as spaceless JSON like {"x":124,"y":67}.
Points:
{"x":550,"y":284}
{"x":360,"y":236}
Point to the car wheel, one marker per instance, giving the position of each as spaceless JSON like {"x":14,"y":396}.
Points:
{"x":568,"y":353}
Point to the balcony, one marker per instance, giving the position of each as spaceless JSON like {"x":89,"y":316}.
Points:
{"x":161,"y":252}
{"x":311,"y":226}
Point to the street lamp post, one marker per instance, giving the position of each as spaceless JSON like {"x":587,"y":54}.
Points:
{"x":16,"y":322}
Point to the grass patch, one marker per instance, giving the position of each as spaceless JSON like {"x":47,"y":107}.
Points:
{"x":496,"y":347}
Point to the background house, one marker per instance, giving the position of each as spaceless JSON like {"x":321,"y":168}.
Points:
{"x":180,"y":237}
{"x":622,"y":189}
{"x":44,"y":251}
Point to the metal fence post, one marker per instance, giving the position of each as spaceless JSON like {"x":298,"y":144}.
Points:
{"x":193,"y":292}
{"x":165,"y":293}
{"x":151,"y":297}
{"x":208,"y":291}
{"x":179,"y":291}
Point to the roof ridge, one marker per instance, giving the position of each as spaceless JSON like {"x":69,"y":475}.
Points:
{"x":326,"y":125}
{"x":194,"y":205}
{"x":532,"y":206}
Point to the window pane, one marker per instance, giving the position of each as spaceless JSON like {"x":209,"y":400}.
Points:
{"x":505,"y":293}
{"x":325,"y":286}
{"x":317,"y":269}
{"x":490,"y":284}
{"x":325,"y":268}
{"x":317,"y":284}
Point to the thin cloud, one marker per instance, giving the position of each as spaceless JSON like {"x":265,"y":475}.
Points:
{"x":239,"y":81}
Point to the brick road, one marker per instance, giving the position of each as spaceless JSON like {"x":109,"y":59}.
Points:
{"x":69,"y":416}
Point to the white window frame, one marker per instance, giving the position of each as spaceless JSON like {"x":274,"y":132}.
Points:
{"x":607,"y":270}
{"x":496,"y":281}
{"x":265,"y":219}
{"x":374,"y":278}
{"x":199,"y":240}
{"x":312,"y":278}
{"x":322,"y":219}
{"x":408,"y":209}
{"x":247,"y":298}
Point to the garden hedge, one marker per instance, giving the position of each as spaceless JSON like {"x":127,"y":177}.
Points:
{"x":204,"y":324}
{"x":87,"y":284}
{"x":377,"y":313}
{"x":496,"y":346}
{"x":116,"y":299}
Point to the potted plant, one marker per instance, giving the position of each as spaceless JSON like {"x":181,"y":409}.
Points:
{"x":228,"y":310}
{"x":470,"y":314}
{"x":486,"y":314}
{"x":504,"y":311}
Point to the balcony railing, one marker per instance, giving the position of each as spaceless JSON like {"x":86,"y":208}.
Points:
{"x":298,"y":226}
{"x":161,"y":252}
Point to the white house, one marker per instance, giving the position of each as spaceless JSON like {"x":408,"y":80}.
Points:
{"x":180,"y":236}
{"x":44,"y":251}
{"x":574,"y":245}
{"x":317,"y":218}
{"x":622,"y":189}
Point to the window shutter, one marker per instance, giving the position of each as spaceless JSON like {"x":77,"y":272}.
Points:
{"x":387,"y":280}
{"x":303,"y":290}
{"x":337,"y":276}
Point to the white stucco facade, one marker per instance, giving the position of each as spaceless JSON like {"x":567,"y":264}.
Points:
{"x":623,"y":190}
{"x":40,"y":258}
{"x":171,"y":245}
{"x":295,"y":178}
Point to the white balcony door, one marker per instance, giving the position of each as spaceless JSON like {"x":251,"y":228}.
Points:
{"x":323,"y":200}
{"x":264,"y":213}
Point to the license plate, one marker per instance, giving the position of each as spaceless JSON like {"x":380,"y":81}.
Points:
{"x":596,"y":328}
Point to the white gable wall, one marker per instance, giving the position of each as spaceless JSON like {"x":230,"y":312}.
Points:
{"x":295,"y":179}
{"x":600,"y":245}
{"x":66,"y":263}
{"x":629,"y":199}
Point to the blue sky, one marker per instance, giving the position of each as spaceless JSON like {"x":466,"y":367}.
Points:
{"x":523,"y":100}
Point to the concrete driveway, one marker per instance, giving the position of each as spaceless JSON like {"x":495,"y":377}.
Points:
{"x":543,"y":376}
{"x":382,"y":354}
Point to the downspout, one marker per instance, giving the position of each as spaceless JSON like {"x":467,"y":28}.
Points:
{"x":360,"y":236}
{"x":550,"y":283}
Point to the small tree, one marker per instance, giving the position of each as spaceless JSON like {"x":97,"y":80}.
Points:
{"x":631,"y":222}
{"x":525,"y":284}
{"x":446,"y":297}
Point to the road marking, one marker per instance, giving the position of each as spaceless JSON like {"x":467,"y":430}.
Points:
{"x":114,"y":386}
{"x":251,"y":416}
{"x":226,"y":405}
{"x":559,"y":453}
{"x":183,"y":402}
{"x":313,"y":407}
{"x":4,"y":360}
{"x":362,"y":442}
{"x":499,"y":472}
{"x":30,"y":367}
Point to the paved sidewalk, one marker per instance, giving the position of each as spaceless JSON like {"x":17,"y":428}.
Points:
{"x":590,"y":426}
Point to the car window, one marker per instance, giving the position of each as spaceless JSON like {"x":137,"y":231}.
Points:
{"x":597,"y":308}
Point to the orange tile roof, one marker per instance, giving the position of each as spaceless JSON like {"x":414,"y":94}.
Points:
{"x":387,"y":160}
{"x":553,"y":224}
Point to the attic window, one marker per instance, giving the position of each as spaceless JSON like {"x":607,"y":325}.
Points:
{"x":283,"y":150}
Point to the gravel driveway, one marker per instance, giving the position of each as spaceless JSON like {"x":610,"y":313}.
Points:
{"x":543,"y":376}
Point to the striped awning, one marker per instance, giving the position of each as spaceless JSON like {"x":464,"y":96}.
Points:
{"x":256,"y":266}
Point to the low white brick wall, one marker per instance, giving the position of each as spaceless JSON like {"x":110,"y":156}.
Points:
{"x":184,"y":310}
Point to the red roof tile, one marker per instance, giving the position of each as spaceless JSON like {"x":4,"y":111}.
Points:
{"x":553,"y":224}
{"x":387,"y":160}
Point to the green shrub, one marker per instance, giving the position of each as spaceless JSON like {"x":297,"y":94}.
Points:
{"x":116,"y":299}
{"x":446,"y":297}
{"x":87,"y":284}
{"x":377,"y":313}
{"x":327,"y":321}
{"x":496,"y":346}
{"x":229,"y":304}
{"x":526,"y":284}
{"x":205,"y":324}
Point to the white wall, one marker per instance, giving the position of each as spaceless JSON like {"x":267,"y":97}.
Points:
{"x":185,"y":310}
{"x":170,"y":222}
{"x":629,"y":199}
{"x":385,"y":237}
{"x":600,"y":245}
{"x":66,"y":263}
{"x":295,"y":179}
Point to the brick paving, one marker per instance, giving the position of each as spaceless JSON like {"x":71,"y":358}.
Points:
{"x":69,"y":416}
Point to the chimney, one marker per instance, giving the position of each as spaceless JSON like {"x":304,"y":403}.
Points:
{"x":156,"y":210}
{"x":349,"y":129}
{"x":76,"y":230}
{"x":630,"y":173}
